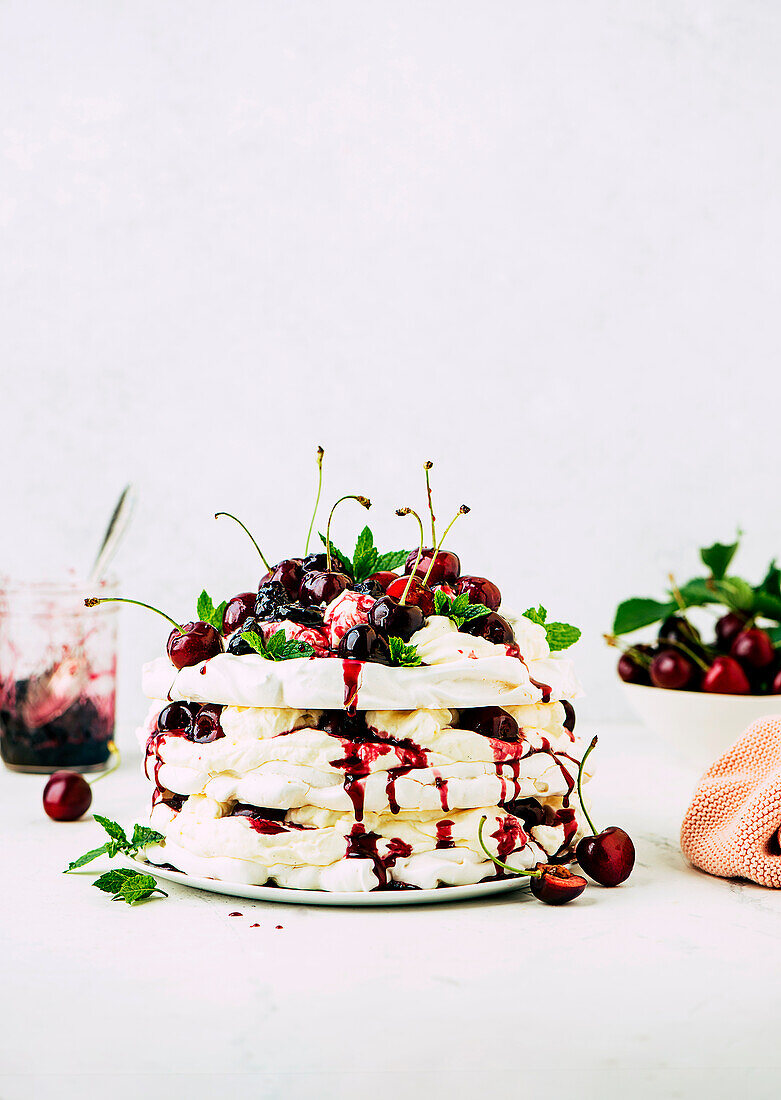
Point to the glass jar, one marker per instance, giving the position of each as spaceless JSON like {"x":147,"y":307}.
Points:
{"x":58,"y":668}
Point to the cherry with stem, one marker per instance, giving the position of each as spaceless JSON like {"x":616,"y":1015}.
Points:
{"x":426,"y":468}
{"x":550,"y":883}
{"x":188,"y":643}
{"x":248,"y":532}
{"x":320,"y":455}
{"x":67,"y":795}
{"x":607,"y":856}
{"x":462,"y":511}
{"x":363,"y":501}
{"x":412,"y":512}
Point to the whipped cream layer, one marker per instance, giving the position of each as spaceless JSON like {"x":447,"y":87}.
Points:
{"x":459,"y":671}
{"x":319,"y":850}
{"x":405,"y":761}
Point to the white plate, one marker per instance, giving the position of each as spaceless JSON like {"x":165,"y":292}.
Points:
{"x":324,"y":897}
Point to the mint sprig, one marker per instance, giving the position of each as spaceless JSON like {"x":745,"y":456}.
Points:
{"x":366,"y":558}
{"x":458,"y":609}
{"x":122,"y":883}
{"x":118,"y":842}
{"x":129,"y":886}
{"x":403,"y":655}
{"x":559,"y":635}
{"x":208,"y":613}
{"x":277,"y":648}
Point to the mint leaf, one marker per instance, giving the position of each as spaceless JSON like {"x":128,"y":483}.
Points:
{"x":458,"y":610}
{"x":277,"y":648}
{"x":403,"y":655}
{"x":698,"y":592}
{"x":717,"y":558}
{"x":341,"y":559}
{"x":736,"y":593}
{"x":561,"y":635}
{"x":637,"y":612}
{"x":127,"y":885}
{"x":86,"y":858}
{"x":365,"y":556}
{"x":393,"y":559}
{"x":441,"y":603}
{"x":771,"y":585}
{"x":208,"y":613}
{"x":144,"y":836}
{"x":116,"y":832}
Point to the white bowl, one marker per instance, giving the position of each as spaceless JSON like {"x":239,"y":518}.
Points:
{"x":699,"y":725}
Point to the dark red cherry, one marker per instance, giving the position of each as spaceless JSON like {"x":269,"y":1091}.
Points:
{"x":491,"y":627}
{"x":630,"y":669}
{"x":363,"y":643}
{"x":289,"y":573}
{"x":206,"y":726}
{"x":479,"y":590}
{"x":753,"y":648}
{"x":490,"y":722}
{"x":194,"y":643}
{"x":530,"y":811}
{"x":678,"y":629}
{"x":670,"y":669}
{"x":384,"y":578}
{"x":177,"y":716}
{"x":66,"y":796}
{"x":322,"y":587}
{"x":315,"y":563}
{"x":608,"y":857}
{"x":419,"y":594}
{"x":775,"y":687}
{"x":557,"y":885}
{"x":391,"y":618}
{"x":728,"y":627}
{"x":446,"y":568}
{"x":726,"y":677}
{"x":238,"y":611}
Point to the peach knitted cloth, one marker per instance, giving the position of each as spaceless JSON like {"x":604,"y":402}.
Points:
{"x":732,"y":826}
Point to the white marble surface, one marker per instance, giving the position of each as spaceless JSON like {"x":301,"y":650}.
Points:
{"x":665,"y":987}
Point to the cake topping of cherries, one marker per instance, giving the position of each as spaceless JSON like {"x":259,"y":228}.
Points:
{"x":744,"y":655}
{"x":360,"y":608}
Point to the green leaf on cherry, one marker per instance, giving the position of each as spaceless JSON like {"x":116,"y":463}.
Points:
{"x":278,"y":647}
{"x":366,"y":559}
{"x":638,"y":612}
{"x":403,"y":655}
{"x":208,"y":613}
{"x":718,"y":557}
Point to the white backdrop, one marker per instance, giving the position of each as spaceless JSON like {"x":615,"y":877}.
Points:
{"x":536,"y":243}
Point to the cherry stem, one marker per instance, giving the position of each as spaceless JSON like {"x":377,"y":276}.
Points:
{"x":676,"y":594}
{"x":462,"y":511}
{"x":93,"y":601}
{"x":116,"y":760}
{"x":364,"y":501}
{"x":320,"y":454}
{"x":426,"y":467}
{"x":632,"y":651}
{"x":498,"y":862}
{"x":411,"y":512}
{"x":689,"y":653}
{"x":583,"y":760}
{"x":241,"y":525}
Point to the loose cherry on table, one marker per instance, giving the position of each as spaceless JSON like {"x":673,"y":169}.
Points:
{"x":479,"y":590}
{"x":753,"y":648}
{"x":188,"y":644}
{"x":670,"y":669}
{"x":549,"y":883}
{"x":726,"y":676}
{"x":66,"y":796}
{"x":608,"y":856}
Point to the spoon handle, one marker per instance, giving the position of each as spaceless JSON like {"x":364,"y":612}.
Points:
{"x":114,"y":533}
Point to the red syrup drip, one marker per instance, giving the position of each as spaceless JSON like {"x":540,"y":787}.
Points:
{"x":509,"y":836}
{"x":544,"y":688}
{"x":363,"y":845}
{"x":362,"y":747}
{"x":441,"y":785}
{"x":351,"y":672}
{"x":445,"y":834}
